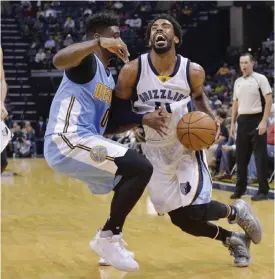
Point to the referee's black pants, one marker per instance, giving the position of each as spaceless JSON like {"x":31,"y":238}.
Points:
{"x":248,"y":140}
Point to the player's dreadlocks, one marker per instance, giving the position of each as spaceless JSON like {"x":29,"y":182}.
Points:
{"x":99,"y":21}
{"x":177,"y":28}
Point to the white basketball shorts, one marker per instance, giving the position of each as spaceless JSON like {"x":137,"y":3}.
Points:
{"x":5,"y":135}
{"x":179,"y":178}
{"x":89,"y":159}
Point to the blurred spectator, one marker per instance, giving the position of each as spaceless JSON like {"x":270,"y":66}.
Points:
{"x":50,"y":11}
{"x":223,"y":70}
{"x":145,"y":7}
{"x":13,"y":129}
{"x":39,"y":26}
{"x":88,"y":12}
{"x":207,"y":89}
{"x":17,"y":135}
{"x":31,"y":137}
{"x":40,"y":13}
{"x":52,"y":21}
{"x":68,"y":40}
{"x":134,"y":22}
{"x":48,"y":60}
{"x":26,"y":4}
{"x":216,"y":148}
{"x":23,"y":147}
{"x":39,"y":133}
{"x":186,"y":11}
{"x":40,"y":128}
{"x":58,"y":42}
{"x":69,"y":25}
{"x":50,"y":43}
{"x":40,"y":56}
{"x":118,"y":5}
{"x":26,"y":125}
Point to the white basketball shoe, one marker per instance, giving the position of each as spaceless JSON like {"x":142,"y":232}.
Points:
{"x":123,"y":244}
{"x":111,"y":250}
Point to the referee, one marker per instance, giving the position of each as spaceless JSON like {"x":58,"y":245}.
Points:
{"x":252,"y":100}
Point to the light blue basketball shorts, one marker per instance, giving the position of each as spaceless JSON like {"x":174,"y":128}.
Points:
{"x":89,"y":159}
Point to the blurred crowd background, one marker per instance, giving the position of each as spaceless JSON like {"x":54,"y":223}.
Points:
{"x":33,"y":31}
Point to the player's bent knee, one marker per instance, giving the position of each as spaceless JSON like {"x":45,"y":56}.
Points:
{"x":185,"y":224}
{"x":133,"y":163}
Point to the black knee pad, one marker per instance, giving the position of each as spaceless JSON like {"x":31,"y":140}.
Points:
{"x":134,"y":164}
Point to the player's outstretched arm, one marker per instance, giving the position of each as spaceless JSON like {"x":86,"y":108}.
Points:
{"x":71,"y":56}
{"x":4,"y":88}
{"x":199,"y":99}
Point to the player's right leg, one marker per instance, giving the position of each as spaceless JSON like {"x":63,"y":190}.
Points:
{"x":96,"y":161}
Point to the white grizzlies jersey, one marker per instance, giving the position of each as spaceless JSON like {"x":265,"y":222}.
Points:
{"x":180,"y":176}
{"x":171,"y":92}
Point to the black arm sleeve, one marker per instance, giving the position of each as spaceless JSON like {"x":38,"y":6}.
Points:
{"x":121,"y":113}
{"x":84,"y":72}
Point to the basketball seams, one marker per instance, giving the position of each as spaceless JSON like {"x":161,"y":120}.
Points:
{"x":186,"y":130}
{"x":198,"y":128}
{"x":189,"y":129}
{"x":205,"y":116}
{"x":201,"y":139}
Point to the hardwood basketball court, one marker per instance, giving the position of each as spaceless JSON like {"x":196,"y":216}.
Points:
{"x":49,"y":219}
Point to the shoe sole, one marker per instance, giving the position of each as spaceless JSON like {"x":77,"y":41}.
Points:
{"x":258,"y":229}
{"x":103,"y":264}
{"x":103,"y":255}
{"x":244,"y":264}
{"x":106,"y":263}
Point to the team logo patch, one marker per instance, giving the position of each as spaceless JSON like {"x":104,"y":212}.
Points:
{"x":5,"y":131}
{"x":99,"y":153}
{"x":185,"y":188}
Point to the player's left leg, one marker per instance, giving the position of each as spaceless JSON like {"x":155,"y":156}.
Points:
{"x":239,"y":212}
{"x":237,"y":242}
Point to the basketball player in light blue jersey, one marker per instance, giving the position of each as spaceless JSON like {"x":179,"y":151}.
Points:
{"x":181,"y":185}
{"x":74,"y":142}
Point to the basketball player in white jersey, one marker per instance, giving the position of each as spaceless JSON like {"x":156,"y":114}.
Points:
{"x":5,"y":132}
{"x":181,"y":184}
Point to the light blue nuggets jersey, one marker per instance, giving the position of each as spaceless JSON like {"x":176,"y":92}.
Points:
{"x":82,"y":108}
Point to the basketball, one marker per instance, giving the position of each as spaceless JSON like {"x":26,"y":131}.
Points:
{"x":196,"y":130}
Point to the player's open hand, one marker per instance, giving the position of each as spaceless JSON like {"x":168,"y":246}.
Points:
{"x":116,"y":46}
{"x":157,"y":120}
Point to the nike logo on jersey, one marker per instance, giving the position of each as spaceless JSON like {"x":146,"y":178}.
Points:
{"x":161,"y":94}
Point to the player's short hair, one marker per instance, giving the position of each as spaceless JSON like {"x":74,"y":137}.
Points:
{"x":249,"y":55}
{"x":176,"y":25}
{"x":221,"y":113}
{"x":99,"y":21}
